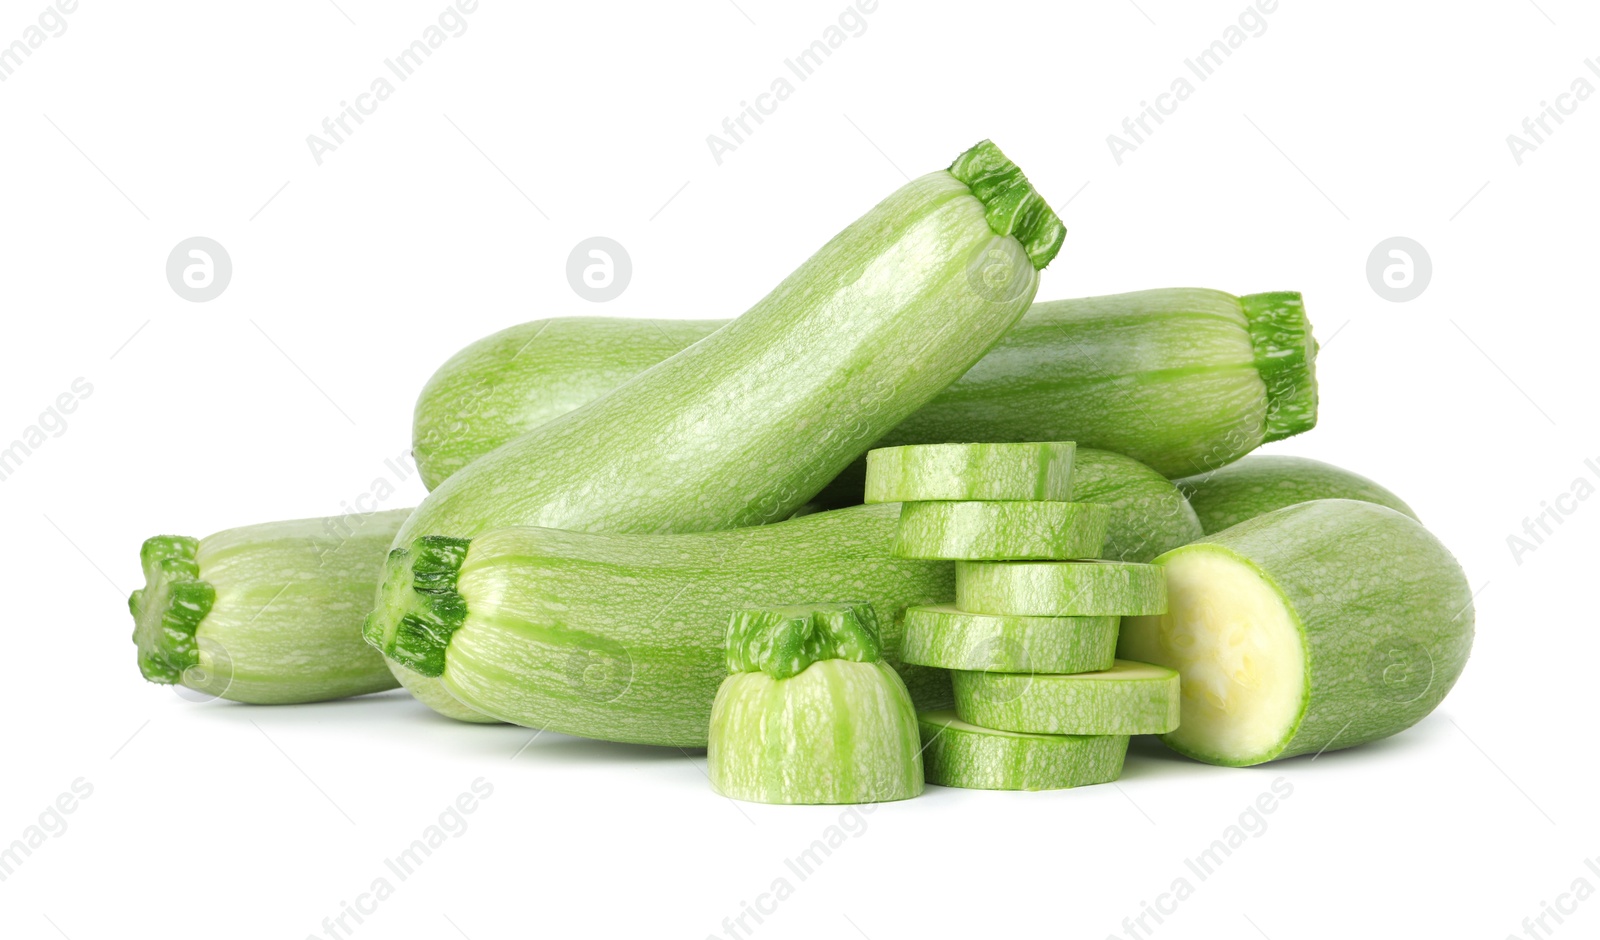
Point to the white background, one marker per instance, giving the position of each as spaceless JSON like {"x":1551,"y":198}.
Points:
{"x":450,"y":213}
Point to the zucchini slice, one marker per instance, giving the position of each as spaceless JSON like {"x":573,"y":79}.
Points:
{"x":995,"y":530}
{"x":948,"y":638}
{"x":1060,"y":588}
{"x":1034,"y":471}
{"x":958,"y":754}
{"x":1319,"y":626}
{"x":1128,"y":698}
{"x":811,"y":714}
{"x":1260,"y":483}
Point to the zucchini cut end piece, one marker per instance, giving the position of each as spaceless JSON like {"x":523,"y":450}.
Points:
{"x":1010,"y":203}
{"x":168,"y":610}
{"x":1285,"y":357}
{"x":419,"y":608}
{"x":1239,"y":649}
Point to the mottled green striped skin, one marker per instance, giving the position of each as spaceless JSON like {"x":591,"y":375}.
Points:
{"x":919,"y":472}
{"x":1385,"y":614}
{"x":1260,"y":483}
{"x":1128,"y":698}
{"x":958,"y":754}
{"x":745,"y":426}
{"x":1167,"y":376}
{"x":838,"y":732}
{"x":1060,"y":589}
{"x":943,"y":636}
{"x":283,"y":624}
{"x":1148,"y":513}
{"x":622,"y":637}
{"x":1001,"y":529}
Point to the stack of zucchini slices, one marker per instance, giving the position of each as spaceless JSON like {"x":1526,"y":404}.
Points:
{"x":1042,"y":702}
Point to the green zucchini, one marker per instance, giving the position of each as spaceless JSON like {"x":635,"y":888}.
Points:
{"x":1128,"y":698}
{"x":1182,"y":379}
{"x":1060,"y":589}
{"x":811,"y":713}
{"x":914,"y":473}
{"x":958,"y":754}
{"x":747,"y":425}
{"x":948,"y":638}
{"x":265,"y":614}
{"x":621,"y":637}
{"x":1319,"y":626}
{"x":1260,"y":483}
{"x":1001,"y":529}
{"x":1148,"y":513}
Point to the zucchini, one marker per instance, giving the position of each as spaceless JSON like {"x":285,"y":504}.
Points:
{"x":948,"y":638}
{"x":1182,"y":379}
{"x":1060,"y":589}
{"x":1027,"y":471}
{"x":621,"y":637}
{"x":1260,"y":483}
{"x":745,"y":426}
{"x":1001,"y":529}
{"x":266,"y":614}
{"x":811,"y":713}
{"x":958,"y":754}
{"x":1319,"y":626}
{"x":1148,"y":513}
{"x":1128,"y":698}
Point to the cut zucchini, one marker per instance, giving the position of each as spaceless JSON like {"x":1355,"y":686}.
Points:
{"x":1128,"y":698}
{"x":958,"y":754}
{"x":920,"y":472}
{"x":1319,"y":626}
{"x":996,"y":530}
{"x":812,"y":714}
{"x":1060,"y":589}
{"x":949,"y":638}
{"x":1148,"y":513}
{"x":1260,"y":483}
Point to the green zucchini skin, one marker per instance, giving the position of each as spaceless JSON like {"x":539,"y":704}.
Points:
{"x":966,"y":472}
{"x":1260,"y":483}
{"x":1128,"y":698}
{"x":265,"y":614}
{"x":948,"y":638}
{"x":1182,"y":379}
{"x":958,"y":754}
{"x":622,"y":637}
{"x":1149,"y":515}
{"x":978,"y":530}
{"x":838,"y":732}
{"x":1384,"y":612}
{"x":745,"y":426}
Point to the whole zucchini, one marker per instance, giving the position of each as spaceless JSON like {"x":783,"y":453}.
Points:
{"x":1181,"y":379}
{"x":1260,"y":483}
{"x":621,"y":637}
{"x":745,"y":426}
